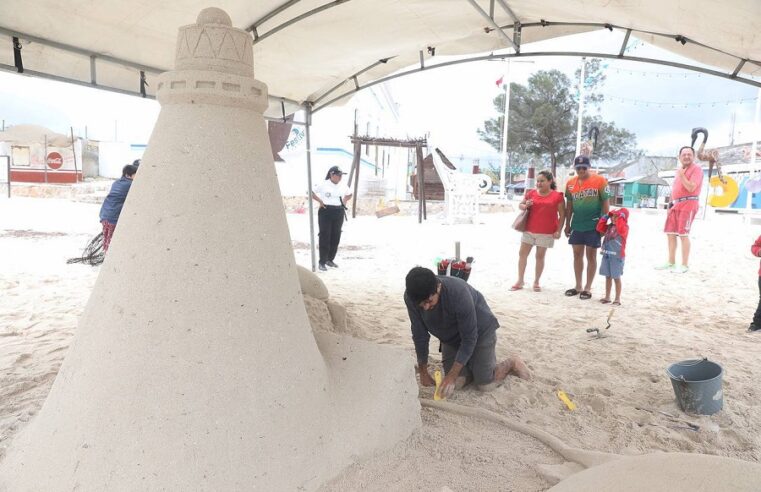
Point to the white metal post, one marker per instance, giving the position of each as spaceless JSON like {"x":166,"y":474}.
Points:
{"x":755,"y":136}
{"x":308,"y":113}
{"x":506,"y":112}
{"x":581,"y":105}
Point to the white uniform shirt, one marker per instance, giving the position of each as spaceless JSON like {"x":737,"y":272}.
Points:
{"x":331,"y":193}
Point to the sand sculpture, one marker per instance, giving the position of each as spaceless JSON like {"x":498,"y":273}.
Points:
{"x":194,"y":366}
{"x":666,"y":472}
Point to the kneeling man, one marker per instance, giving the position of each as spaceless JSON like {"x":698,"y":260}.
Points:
{"x":457,"y":314}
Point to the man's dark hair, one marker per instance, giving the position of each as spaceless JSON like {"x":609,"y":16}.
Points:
{"x":421,"y":284}
{"x":686,"y":147}
{"x":129,"y":170}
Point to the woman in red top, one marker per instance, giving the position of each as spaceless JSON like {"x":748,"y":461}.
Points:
{"x":546,"y":207}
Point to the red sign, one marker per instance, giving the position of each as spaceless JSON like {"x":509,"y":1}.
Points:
{"x":55,"y":161}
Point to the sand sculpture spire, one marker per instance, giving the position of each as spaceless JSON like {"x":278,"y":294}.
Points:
{"x":194,"y":366}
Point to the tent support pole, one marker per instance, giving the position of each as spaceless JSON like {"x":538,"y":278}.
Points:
{"x":753,"y":150}
{"x":45,"y":163}
{"x":308,"y":111}
{"x":356,"y":182}
{"x":74,"y":153}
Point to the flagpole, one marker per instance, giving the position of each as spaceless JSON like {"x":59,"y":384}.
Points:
{"x":581,"y":105}
{"x":503,"y":164}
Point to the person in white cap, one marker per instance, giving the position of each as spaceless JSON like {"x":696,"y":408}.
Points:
{"x":332,"y":195}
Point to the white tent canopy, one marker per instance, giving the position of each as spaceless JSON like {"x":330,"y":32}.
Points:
{"x":317,"y":50}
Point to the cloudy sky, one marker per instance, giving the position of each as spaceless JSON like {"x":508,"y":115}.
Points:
{"x":450,"y":103}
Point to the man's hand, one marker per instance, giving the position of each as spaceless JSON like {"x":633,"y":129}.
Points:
{"x":447,"y":386}
{"x":322,"y":204}
{"x":529,"y":203}
{"x":556,"y":235}
{"x":568,"y":230}
{"x":425,"y":377}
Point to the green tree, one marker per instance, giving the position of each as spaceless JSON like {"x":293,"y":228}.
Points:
{"x":543,"y":120}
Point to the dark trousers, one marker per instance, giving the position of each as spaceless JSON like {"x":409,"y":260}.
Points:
{"x":330,"y":220}
{"x":757,"y":315}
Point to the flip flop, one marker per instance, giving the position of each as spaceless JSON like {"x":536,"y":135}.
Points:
{"x":516,"y":287}
{"x":584,"y":295}
{"x":604,"y":301}
{"x":537,"y":288}
{"x":615,"y":303}
{"x":571,"y":292}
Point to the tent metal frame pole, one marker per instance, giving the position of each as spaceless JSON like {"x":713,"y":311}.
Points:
{"x":156,"y":70}
{"x":93,"y":71}
{"x":73,"y":49}
{"x":351,"y":77}
{"x":269,"y":15}
{"x":625,"y":43}
{"x":8,"y":168}
{"x":603,"y":25}
{"x":493,"y":24}
{"x":83,"y":83}
{"x":509,"y":11}
{"x":308,"y":111}
{"x":298,"y":18}
{"x":578,"y":54}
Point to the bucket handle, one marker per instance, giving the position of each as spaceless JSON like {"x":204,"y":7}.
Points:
{"x":689,"y":364}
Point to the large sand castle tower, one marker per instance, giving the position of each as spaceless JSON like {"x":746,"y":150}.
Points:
{"x":194,"y":366}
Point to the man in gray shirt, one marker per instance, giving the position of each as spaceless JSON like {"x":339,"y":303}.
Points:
{"x":457,"y":314}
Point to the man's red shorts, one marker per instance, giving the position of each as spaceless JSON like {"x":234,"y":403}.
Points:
{"x":679,"y":221}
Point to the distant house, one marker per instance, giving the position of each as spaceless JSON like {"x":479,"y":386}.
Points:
{"x":39,"y":155}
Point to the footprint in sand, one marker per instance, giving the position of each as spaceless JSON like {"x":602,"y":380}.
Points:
{"x":22,"y":358}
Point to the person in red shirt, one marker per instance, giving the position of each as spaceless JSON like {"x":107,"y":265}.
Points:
{"x":547,"y":207}
{"x":614,"y":228}
{"x":685,"y":195}
{"x":756,"y":324}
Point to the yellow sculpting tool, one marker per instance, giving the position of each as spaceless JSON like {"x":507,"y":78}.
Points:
{"x":567,"y":401}
{"x":437,"y":378}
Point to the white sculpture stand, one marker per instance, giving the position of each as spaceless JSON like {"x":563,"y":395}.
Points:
{"x":194,"y":366}
{"x":462,"y":192}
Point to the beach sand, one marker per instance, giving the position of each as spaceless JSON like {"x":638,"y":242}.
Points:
{"x":665,"y":318}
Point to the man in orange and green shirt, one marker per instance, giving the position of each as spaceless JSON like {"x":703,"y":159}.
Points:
{"x":587,"y":199}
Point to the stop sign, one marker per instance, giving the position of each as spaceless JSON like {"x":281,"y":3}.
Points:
{"x":55,"y":161}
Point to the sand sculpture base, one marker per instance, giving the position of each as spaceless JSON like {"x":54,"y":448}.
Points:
{"x":666,"y":472}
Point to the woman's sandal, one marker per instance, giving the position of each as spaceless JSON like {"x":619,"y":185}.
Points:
{"x":571,"y":292}
{"x":516,"y":287}
{"x":585,"y":295}
{"x":604,"y":301}
{"x":615,"y":303}
{"x":537,"y":288}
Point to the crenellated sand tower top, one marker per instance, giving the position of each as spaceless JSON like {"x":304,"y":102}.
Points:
{"x":214,"y":65}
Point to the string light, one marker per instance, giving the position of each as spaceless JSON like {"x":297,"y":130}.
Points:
{"x":675,"y":104}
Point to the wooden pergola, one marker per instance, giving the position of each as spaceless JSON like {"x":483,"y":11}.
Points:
{"x":416,"y":143}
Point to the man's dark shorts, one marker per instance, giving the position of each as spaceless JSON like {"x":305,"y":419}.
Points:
{"x":480,"y":368}
{"x":587,"y":238}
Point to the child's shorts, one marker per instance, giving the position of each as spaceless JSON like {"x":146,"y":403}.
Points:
{"x":612,"y":266}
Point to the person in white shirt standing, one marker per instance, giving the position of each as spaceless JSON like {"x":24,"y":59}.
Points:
{"x":332,"y":195}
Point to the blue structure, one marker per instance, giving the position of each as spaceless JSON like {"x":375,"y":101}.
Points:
{"x":742,"y":198}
